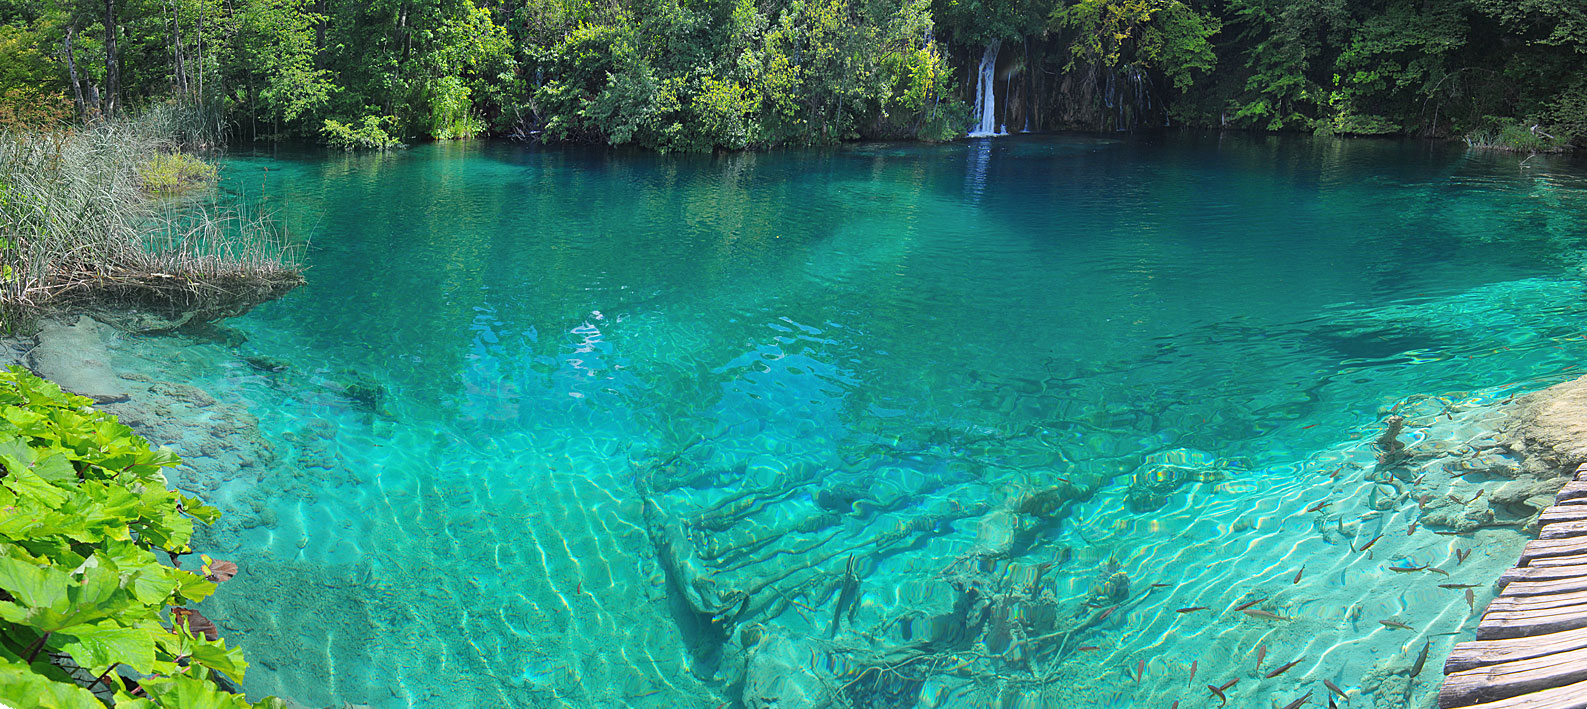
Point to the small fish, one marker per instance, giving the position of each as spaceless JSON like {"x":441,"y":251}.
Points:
{"x":1193,"y":609}
{"x":1396,"y":624}
{"x":1259,"y":613}
{"x":1176,"y":704}
{"x":1088,"y":648}
{"x":1248,"y":604}
{"x":1335,"y":475}
{"x":1476,"y":497}
{"x":1471,"y":599}
{"x":1437,"y":570}
{"x":1422,"y":501}
{"x":1336,"y":690}
{"x":1449,"y":416}
{"x":1307,"y":427}
{"x":1419,"y":479}
{"x":1295,"y":704}
{"x":1369,"y":544}
{"x":1282,"y":669}
{"x":1457,"y":586}
{"x":1314,"y":508}
{"x":1193,"y":670}
{"x":1408,"y":569}
{"x":1455,"y":499}
{"x":1220,"y":690}
{"x":1161,"y":585}
{"x":1140,"y":671}
{"x":1460,"y":556}
{"x":1261,"y":654}
{"x":1107,"y":613}
{"x":1412,"y":530}
{"x":1297,"y":575}
{"x":1421,"y":659}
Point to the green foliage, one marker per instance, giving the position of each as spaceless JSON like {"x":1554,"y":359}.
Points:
{"x":367,"y":134}
{"x":1164,"y":35}
{"x":1504,"y":133}
{"x":170,"y":173}
{"x":83,"y":508}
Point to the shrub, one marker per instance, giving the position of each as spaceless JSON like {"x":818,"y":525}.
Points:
{"x":367,"y":134}
{"x":83,"y":508}
{"x":1496,"y":133}
{"x":170,"y":173}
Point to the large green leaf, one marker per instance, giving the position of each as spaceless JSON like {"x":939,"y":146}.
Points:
{"x":184,"y":691}
{"x":21,"y":687}
{"x":102,"y":644}
{"x":216,"y":656}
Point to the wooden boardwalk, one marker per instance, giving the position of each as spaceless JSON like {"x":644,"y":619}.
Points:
{"x":1531,"y":646}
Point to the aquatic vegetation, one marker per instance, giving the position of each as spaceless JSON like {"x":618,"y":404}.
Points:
{"x":170,"y":173}
{"x":78,"y":226}
{"x":84,"y":508}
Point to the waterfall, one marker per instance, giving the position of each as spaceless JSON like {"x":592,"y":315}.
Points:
{"x":985,"y":95}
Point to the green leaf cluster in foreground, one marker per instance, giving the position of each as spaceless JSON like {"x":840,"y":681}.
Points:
{"x":83,"y":507}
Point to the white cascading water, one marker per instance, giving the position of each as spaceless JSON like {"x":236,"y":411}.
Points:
{"x":985,"y":97}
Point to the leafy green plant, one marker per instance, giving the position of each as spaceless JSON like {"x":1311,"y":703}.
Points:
{"x":367,"y":134}
{"x":170,"y":173}
{"x":83,"y":508}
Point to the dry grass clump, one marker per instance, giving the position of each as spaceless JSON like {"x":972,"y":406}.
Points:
{"x":79,"y":225}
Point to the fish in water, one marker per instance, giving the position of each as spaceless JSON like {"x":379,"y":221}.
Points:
{"x":1297,"y":575}
{"x":1298,"y":702}
{"x":1193,"y":670}
{"x":1471,"y":599}
{"x":1336,"y":690}
{"x":1161,"y":585}
{"x":1248,"y":604}
{"x":1460,"y":556}
{"x":1259,"y":613}
{"x":1316,"y":507}
{"x":1193,"y":609}
{"x":1396,"y":624}
{"x":1088,"y":648}
{"x":1421,"y":659}
{"x":1281,"y":669}
{"x":1457,"y":586}
{"x":1218,"y":691}
{"x":1456,"y":499}
{"x":1478,"y":496}
{"x":1422,"y":501}
{"x":1369,"y":544}
{"x":1408,"y":569}
{"x":1261,"y":654}
{"x":1412,"y":530}
{"x":1437,"y":570}
{"x":1140,"y":671}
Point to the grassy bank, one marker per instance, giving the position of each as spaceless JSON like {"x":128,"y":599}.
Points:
{"x":97,"y":216}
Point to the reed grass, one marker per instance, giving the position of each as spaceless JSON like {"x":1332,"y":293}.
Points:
{"x":79,"y":226}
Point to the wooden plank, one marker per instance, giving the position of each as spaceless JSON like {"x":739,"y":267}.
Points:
{"x":1581,"y":472}
{"x":1552,"y":600}
{"x":1538,"y":621}
{"x":1543,"y":548}
{"x":1562,"y":530}
{"x":1544,"y":587}
{"x":1573,"y":490}
{"x":1563,"y":513}
{"x":1571,"y":696}
{"x":1543,"y":573}
{"x":1511,"y":679}
{"x":1481,"y":653}
{"x":1568,"y":560}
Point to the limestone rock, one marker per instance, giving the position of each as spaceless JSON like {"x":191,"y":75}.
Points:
{"x":1548,"y":429}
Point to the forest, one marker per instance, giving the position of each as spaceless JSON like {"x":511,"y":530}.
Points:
{"x":694,"y":75}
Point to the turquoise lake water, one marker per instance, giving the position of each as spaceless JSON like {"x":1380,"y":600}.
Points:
{"x":888,"y":425}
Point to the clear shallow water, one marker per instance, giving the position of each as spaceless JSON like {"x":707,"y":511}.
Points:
{"x":803,"y":359}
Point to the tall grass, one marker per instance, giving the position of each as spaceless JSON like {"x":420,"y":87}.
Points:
{"x":77,"y":223}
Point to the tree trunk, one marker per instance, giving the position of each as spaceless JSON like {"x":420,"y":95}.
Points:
{"x":199,"y":50}
{"x":112,"y":70}
{"x":71,"y":69}
{"x":178,"y":65}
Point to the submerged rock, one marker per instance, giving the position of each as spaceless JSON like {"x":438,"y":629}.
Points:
{"x":1548,"y":429}
{"x":74,"y":356}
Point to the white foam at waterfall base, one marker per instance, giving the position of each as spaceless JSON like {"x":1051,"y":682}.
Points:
{"x":985,"y":96}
